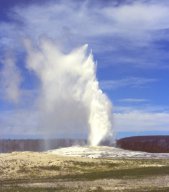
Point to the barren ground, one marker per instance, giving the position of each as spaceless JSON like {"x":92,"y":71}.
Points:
{"x":30,"y":171}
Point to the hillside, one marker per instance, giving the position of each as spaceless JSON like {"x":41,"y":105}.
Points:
{"x":37,"y":145}
{"x":152,"y":144}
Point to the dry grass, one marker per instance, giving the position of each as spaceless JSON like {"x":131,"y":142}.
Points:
{"x":28,"y":171}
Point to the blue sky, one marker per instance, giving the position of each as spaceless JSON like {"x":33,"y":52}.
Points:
{"x":129,"y":40}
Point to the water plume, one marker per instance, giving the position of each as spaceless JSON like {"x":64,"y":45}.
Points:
{"x":70,"y":99}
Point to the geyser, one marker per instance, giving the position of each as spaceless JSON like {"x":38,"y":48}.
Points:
{"x":70,"y":98}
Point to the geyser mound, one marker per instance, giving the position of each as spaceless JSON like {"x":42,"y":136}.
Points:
{"x":105,"y":152}
{"x":70,"y":98}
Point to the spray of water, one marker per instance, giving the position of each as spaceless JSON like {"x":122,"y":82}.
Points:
{"x":70,"y":98}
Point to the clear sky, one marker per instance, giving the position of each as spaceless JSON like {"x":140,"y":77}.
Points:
{"x":129,"y":40}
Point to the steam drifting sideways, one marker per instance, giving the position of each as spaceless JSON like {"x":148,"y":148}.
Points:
{"x":70,"y":96}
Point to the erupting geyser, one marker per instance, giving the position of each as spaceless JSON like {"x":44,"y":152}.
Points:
{"x":70,"y":97}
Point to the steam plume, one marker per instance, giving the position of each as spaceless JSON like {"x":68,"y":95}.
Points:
{"x":70,"y":97}
{"x":10,"y":79}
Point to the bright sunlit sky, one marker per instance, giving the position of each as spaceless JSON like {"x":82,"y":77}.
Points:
{"x":130,"y":43}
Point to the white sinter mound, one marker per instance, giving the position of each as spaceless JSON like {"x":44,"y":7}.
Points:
{"x":104,"y":152}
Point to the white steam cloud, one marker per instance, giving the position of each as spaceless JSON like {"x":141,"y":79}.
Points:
{"x":10,"y":79}
{"x":70,"y":97}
